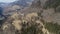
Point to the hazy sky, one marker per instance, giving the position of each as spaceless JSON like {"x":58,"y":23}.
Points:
{"x":7,"y":1}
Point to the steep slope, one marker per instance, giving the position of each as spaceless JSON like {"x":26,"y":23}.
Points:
{"x":9,"y":10}
{"x":35,"y":7}
{"x":17,"y":22}
{"x":32,"y":20}
{"x":17,"y":6}
{"x":49,"y":14}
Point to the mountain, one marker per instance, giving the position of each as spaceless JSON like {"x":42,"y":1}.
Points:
{"x":34,"y":7}
{"x":23,"y":3}
{"x":2,"y":4}
{"x":19,"y":4}
{"x":31,"y":20}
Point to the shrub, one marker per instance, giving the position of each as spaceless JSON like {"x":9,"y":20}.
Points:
{"x":52,"y":27}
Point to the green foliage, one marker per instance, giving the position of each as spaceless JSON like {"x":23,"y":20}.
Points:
{"x":55,"y":28}
{"x":52,"y":4}
{"x":33,"y":29}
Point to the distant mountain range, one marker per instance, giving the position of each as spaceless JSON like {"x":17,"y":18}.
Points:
{"x":3,"y":4}
{"x":23,"y":3}
{"x":10,"y":8}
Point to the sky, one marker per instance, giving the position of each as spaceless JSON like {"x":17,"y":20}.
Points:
{"x":7,"y":1}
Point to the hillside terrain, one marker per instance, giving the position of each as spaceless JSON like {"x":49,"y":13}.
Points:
{"x":39,"y":17}
{"x":9,"y":8}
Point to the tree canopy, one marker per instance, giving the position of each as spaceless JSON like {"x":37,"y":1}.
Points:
{"x":52,"y":4}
